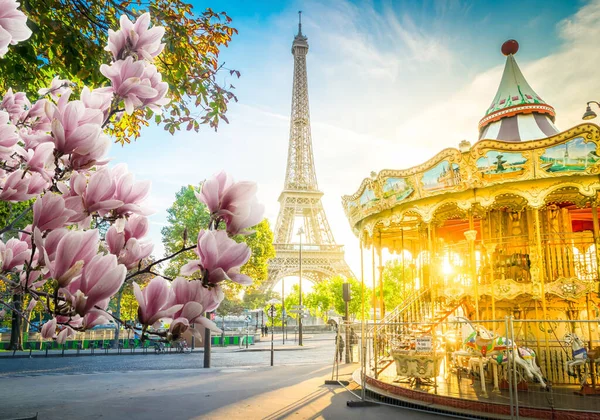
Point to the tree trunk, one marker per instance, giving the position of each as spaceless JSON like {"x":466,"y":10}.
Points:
{"x":118,"y":315}
{"x":16,"y":342}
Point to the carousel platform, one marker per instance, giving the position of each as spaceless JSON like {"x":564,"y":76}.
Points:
{"x":464,"y":397}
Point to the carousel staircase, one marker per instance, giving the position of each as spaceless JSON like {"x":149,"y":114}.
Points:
{"x":417,"y":316}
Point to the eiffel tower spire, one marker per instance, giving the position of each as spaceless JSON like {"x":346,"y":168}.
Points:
{"x":300,"y":200}
{"x":300,"y":173}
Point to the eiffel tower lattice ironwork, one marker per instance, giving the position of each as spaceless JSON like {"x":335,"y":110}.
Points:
{"x":301,"y":199}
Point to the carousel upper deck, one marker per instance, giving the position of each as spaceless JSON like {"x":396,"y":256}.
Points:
{"x":499,"y":220}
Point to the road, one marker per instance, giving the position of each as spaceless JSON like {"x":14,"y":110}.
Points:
{"x":318,"y":348}
{"x":240,"y":385}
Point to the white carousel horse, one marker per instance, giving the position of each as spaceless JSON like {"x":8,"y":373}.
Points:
{"x":483,"y":343}
{"x":580,"y":356}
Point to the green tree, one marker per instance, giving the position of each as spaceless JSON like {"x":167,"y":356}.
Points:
{"x":328,"y":295}
{"x":256,"y":299}
{"x":188,"y":215}
{"x":320,"y":300}
{"x":13,"y":217}
{"x":231,"y":305}
{"x":17,"y":214}
{"x":69,"y":37}
{"x":395,"y":284}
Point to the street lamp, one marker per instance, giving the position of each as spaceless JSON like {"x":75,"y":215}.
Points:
{"x":301,"y":312}
{"x":589,"y":114}
{"x":272,"y":302}
{"x":283,"y":310}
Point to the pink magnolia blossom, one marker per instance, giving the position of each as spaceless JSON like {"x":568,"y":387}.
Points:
{"x":135,"y":39}
{"x":185,"y":291}
{"x":75,"y":249}
{"x":8,"y":136}
{"x":127,"y":245}
{"x":153,"y":301}
{"x":41,"y":160}
{"x":192,"y":313}
{"x":47,"y":245}
{"x":95,"y":317}
{"x":97,"y":99}
{"x":233,"y":202}
{"x":129,"y":82}
{"x":21,"y":186}
{"x":49,"y":329}
{"x":100,"y":279}
{"x":65,"y":334}
{"x":13,"y":25}
{"x":131,"y":192}
{"x":14,"y":253}
{"x":220,"y":256}
{"x":32,"y":281}
{"x":49,"y":212}
{"x":75,"y":128}
{"x":16,"y":104}
{"x":100,"y":191}
{"x":134,"y":251}
{"x":154,"y":78}
{"x":136,"y":227}
{"x":94,"y":157}
{"x":57,"y":88}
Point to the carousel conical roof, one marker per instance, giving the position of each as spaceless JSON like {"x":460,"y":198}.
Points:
{"x":517,"y":112}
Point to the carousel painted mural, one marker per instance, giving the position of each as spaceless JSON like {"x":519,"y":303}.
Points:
{"x":501,"y":238}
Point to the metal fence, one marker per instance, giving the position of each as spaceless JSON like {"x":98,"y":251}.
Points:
{"x":508,"y":367}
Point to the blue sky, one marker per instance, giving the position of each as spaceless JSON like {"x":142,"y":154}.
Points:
{"x":390,"y":84}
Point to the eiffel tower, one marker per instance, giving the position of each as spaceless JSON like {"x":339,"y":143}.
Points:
{"x":300,"y":200}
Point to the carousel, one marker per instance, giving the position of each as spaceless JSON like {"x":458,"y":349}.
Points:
{"x":498,"y":241}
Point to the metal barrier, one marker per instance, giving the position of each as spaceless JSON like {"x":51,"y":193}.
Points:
{"x":506,"y":367}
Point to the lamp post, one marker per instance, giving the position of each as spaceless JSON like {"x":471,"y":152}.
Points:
{"x":301,"y":312}
{"x":272,"y":302}
{"x":589,"y":114}
{"x":283,"y":310}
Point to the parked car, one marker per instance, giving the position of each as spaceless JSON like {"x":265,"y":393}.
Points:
{"x":4,"y":329}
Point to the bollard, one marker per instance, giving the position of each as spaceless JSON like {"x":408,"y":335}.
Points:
{"x":47,"y":349}
{"x":30,"y":349}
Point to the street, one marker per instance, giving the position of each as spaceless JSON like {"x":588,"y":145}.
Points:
{"x":240,"y":385}
{"x":318,"y":348}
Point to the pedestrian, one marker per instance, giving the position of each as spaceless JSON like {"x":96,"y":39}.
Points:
{"x":266,"y":330}
{"x":339,"y":341}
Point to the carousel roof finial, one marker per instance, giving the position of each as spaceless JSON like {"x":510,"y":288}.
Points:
{"x":517,"y":113}
{"x":510,"y":47}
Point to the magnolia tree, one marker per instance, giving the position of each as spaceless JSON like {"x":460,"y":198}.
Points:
{"x":53,"y":150}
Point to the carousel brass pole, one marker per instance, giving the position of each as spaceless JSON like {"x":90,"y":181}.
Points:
{"x":380,"y":259}
{"x":490,"y":248}
{"x":542,"y":280}
{"x":374,"y":305}
{"x":429,"y":255}
{"x":589,"y":325}
{"x":596,"y":239}
{"x":363,"y":347}
{"x":471,"y":234}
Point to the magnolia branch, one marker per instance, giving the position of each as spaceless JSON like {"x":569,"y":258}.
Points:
{"x":148,"y":268}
